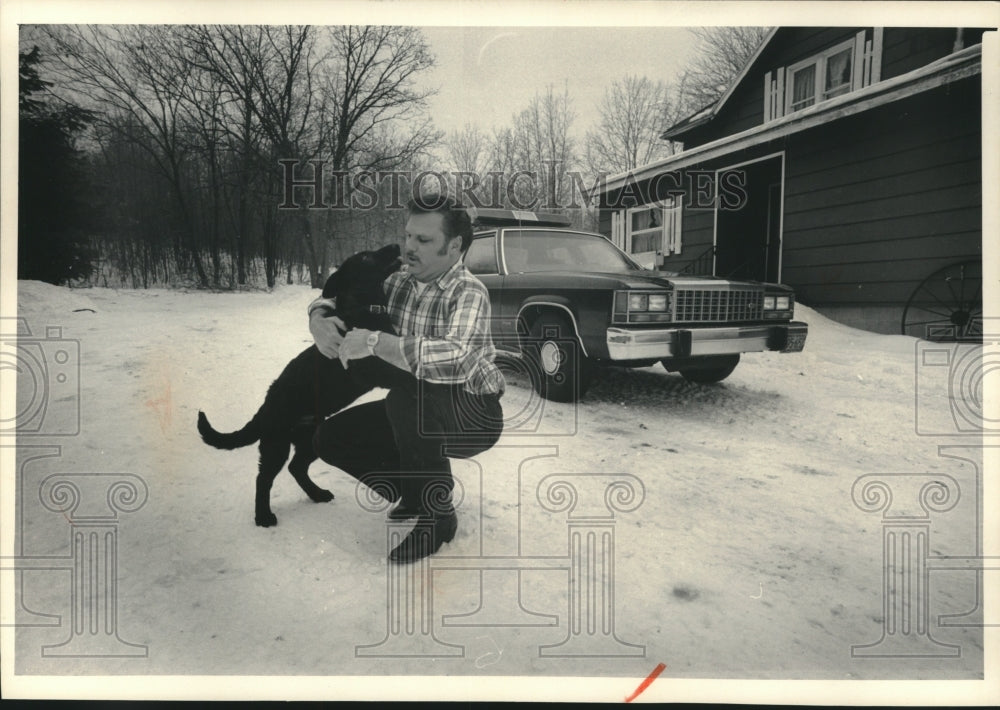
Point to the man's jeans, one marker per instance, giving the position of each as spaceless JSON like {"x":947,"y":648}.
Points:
{"x":400,"y":446}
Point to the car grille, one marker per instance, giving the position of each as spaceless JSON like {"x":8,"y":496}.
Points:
{"x":717,"y":306}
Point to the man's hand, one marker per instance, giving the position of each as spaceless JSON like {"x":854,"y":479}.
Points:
{"x":354,"y":345}
{"x":325,"y":333}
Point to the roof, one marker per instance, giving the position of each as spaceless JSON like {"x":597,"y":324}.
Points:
{"x":709,"y":112}
{"x":703,"y":115}
{"x":487,"y":217}
{"x":955,"y":66}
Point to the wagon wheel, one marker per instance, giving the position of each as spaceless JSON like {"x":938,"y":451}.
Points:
{"x":947,"y":305}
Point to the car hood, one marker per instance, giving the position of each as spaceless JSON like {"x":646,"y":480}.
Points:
{"x":635,"y":279}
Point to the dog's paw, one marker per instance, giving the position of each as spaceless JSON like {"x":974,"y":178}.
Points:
{"x":266,"y":520}
{"x":322,"y":496}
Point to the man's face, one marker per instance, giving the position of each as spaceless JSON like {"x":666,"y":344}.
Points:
{"x":428,"y":252}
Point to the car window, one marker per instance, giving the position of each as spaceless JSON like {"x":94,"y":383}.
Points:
{"x":481,"y":257}
{"x":543,"y":250}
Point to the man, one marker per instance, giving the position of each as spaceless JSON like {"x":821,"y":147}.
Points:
{"x":441,"y":313}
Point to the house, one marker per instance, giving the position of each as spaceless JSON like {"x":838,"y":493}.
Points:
{"x":845,"y":162}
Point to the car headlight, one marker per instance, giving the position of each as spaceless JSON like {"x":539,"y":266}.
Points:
{"x":638,"y":302}
{"x":782,"y":303}
{"x":641,"y":307}
{"x":657,"y":301}
{"x":768,"y":303}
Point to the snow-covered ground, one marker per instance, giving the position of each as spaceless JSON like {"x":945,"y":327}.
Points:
{"x":747,"y":557}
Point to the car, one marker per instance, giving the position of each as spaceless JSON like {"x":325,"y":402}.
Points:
{"x":566,"y":301}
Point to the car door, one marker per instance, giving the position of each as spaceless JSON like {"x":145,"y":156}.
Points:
{"x":481,"y":260}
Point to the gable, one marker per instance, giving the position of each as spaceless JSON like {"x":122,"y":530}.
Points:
{"x":798,"y":66}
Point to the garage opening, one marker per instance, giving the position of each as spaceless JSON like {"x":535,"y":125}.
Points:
{"x":748,"y":230}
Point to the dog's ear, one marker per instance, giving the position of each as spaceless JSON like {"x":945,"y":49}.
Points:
{"x":389,"y":258}
{"x":389,"y":252}
{"x":332,"y":284}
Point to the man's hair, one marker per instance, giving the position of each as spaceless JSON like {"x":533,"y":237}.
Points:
{"x":455,"y":219}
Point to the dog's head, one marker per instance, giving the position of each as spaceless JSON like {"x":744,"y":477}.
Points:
{"x":357,"y":286}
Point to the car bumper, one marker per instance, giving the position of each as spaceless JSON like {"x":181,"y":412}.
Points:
{"x":636,"y":344}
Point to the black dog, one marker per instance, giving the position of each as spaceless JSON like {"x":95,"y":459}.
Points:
{"x":312,"y":387}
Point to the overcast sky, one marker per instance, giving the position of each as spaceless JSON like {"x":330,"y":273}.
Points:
{"x":487,"y":74}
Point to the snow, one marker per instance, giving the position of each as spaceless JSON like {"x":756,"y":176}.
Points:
{"x":746,"y":559}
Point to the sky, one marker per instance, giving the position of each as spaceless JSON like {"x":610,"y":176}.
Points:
{"x":485,"y":75}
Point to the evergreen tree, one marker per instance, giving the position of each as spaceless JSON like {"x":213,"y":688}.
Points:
{"x":53,"y":210}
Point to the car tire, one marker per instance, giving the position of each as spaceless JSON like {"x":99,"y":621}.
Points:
{"x":559,"y":370}
{"x":712,"y":369}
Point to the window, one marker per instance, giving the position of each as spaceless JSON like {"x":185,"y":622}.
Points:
{"x":845,"y":67}
{"x":481,"y":257}
{"x":538,"y":250}
{"x":648,"y":229}
{"x":838,"y":73}
{"x":820,"y":77}
{"x":645,"y":226}
{"x":803,"y":87}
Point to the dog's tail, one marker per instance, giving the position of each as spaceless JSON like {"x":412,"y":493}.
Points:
{"x":244,"y":437}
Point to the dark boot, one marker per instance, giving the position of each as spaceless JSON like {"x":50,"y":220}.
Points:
{"x":405,"y":511}
{"x":426,"y":538}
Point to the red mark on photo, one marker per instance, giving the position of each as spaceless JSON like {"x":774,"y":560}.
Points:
{"x":646,"y":683}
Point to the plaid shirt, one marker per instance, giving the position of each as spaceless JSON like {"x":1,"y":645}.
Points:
{"x":444,"y":328}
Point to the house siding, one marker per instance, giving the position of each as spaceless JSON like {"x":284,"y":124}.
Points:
{"x":876,"y":202}
{"x":745,"y":108}
{"x":903,"y":49}
{"x":907,"y":48}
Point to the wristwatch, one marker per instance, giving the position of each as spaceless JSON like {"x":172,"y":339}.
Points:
{"x":372,"y":341}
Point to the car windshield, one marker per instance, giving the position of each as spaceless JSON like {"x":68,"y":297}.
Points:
{"x":535,"y":250}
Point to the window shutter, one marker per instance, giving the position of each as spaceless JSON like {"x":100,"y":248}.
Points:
{"x":779,"y":102}
{"x":768,"y":97}
{"x":617,"y":237}
{"x":774,"y":95}
{"x":859,"y":71}
{"x":867,"y":59}
{"x":666,"y":237}
{"x":876,"y":62}
{"x":676,"y":213}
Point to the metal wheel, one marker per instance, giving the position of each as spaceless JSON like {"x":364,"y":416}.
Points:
{"x":560,"y":371}
{"x":947,"y":305}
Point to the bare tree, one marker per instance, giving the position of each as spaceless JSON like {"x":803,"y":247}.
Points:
{"x":199,"y":117}
{"x":468,"y":151}
{"x":633,"y":113}
{"x":204,"y":117}
{"x":231,"y":54}
{"x":372,"y":87}
{"x":467,"y":148}
{"x":130,"y":71}
{"x":721,"y":55}
{"x":284,"y":73}
{"x":539,"y":145}
{"x":373,"y":114}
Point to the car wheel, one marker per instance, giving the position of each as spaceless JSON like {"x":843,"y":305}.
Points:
{"x":559,"y":369}
{"x":711,"y":369}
